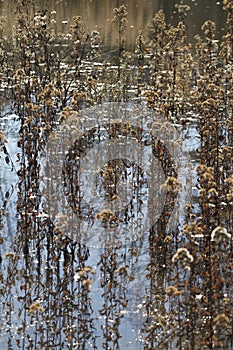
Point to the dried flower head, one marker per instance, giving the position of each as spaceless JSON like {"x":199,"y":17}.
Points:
{"x":221,"y":320}
{"x":172,"y":184}
{"x":173,"y":291}
{"x":105,"y":215}
{"x":219,"y":234}
{"x":10,"y":255}
{"x":2,"y":137}
{"x":35,"y":307}
{"x":182,"y":254}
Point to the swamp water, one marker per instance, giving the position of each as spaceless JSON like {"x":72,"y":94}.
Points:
{"x":98,"y":249}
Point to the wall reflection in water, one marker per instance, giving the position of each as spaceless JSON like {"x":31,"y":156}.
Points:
{"x":97,"y":15}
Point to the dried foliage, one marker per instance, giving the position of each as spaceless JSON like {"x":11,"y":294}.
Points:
{"x":48,"y":286}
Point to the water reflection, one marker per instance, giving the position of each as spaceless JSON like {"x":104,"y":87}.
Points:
{"x":60,"y":293}
{"x":98,"y":14}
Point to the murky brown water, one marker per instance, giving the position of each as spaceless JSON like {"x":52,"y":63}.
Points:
{"x":98,"y":14}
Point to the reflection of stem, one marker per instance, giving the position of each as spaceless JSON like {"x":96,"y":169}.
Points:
{"x":155,"y":325}
{"x":112,"y":280}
